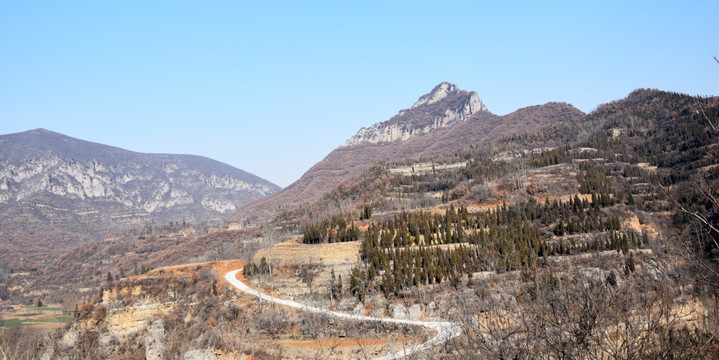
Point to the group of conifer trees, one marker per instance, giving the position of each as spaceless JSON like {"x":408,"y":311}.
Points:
{"x":331,"y":230}
{"x":420,"y":248}
{"x":550,"y":157}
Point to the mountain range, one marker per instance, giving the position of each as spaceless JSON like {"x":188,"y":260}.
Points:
{"x":57,"y":191}
{"x":444,"y":212}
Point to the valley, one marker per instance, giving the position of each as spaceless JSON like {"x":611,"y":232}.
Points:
{"x":464,"y":235}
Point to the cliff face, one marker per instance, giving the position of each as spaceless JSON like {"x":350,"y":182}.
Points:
{"x":56,"y":190}
{"x":443,"y":107}
{"x":137,"y":185}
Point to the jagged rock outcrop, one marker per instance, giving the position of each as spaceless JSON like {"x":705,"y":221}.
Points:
{"x":57,"y":190}
{"x":443,"y":107}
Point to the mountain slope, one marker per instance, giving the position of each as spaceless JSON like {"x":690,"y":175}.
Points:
{"x":583,"y":227}
{"x":661,"y":135}
{"x":444,"y":120}
{"x":56,"y":191}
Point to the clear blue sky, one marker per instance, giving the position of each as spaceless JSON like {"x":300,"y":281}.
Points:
{"x":271,"y":88}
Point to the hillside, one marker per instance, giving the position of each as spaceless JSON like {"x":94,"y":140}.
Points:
{"x":57,"y":191}
{"x":444,"y":120}
{"x":571,"y":250}
{"x":604,"y":245}
{"x":661,"y":131}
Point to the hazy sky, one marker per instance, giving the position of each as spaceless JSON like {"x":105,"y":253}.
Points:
{"x":272,"y":87}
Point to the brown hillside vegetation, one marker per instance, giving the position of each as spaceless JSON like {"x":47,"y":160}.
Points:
{"x":571,"y":251}
{"x":79,"y":272}
{"x":189,"y":311}
{"x":347,"y":162}
{"x":592,"y":238}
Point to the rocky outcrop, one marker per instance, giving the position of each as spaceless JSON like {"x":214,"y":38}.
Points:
{"x":415,"y":312}
{"x":445,"y":89}
{"x":444,"y":106}
{"x":133,"y":186}
{"x":154,"y":340}
{"x":56,"y":189}
{"x":398,"y":311}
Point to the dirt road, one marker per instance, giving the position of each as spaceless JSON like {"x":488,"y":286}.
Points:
{"x":445,"y":330}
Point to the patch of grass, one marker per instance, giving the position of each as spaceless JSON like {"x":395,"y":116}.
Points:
{"x":58,"y":319}
{"x":14,"y":322}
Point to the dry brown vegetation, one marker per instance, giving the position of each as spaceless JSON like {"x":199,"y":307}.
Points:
{"x":87,"y":265}
{"x":346,"y":163}
{"x":175,"y":311}
{"x":601,"y":246}
{"x":640,"y":160}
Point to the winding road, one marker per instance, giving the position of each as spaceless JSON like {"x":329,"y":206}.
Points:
{"x":445,"y":330}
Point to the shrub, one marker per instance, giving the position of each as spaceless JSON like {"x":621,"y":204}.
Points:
{"x":85,"y":310}
{"x":99,"y":313}
{"x":458,"y":192}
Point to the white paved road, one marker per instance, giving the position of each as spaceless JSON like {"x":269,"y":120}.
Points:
{"x":445,"y":330}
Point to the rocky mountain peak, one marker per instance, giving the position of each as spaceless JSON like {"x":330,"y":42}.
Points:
{"x":442,"y":107}
{"x":438,"y":93}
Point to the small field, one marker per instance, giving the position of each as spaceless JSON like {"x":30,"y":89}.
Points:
{"x":33,"y":316}
{"x":293,"y":252}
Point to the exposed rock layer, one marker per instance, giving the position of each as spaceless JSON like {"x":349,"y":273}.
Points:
{"x":424,"y":116}
{"x":56,"y":190}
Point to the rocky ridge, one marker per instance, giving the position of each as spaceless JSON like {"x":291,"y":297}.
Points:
{"x":57,"y":190}
{"x":86,"y":181}
{"x":149,"y":183}
{"x":424,"y":116}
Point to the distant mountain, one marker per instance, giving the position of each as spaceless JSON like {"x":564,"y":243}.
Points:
{"x":446,"y":119}
{"x":56,"y":191}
